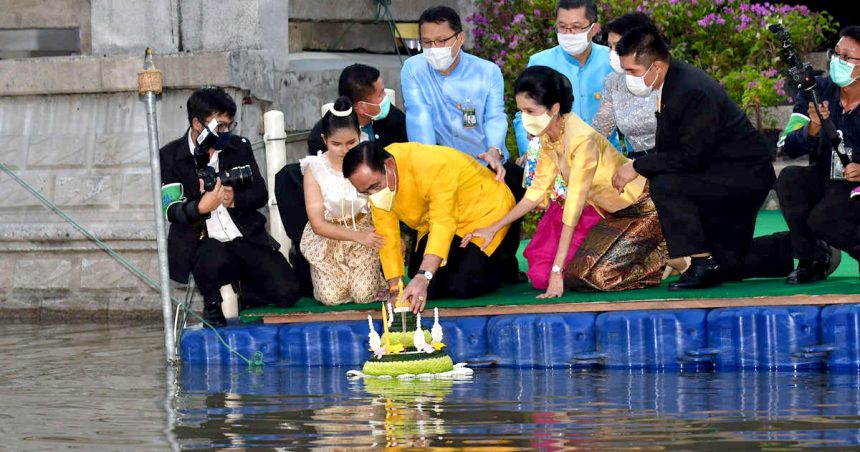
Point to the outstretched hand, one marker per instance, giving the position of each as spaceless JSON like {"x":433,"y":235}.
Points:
{"x":555,"y":288}
{"x":494,"y":159}
{"x":623,"y":176}
{"x":416,"y":293}
{"x":485,"y":234}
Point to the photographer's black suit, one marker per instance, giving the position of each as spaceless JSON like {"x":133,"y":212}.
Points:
{"x":709,"y":174}
{"x":814,"y":206}
{"x":263,"y":274}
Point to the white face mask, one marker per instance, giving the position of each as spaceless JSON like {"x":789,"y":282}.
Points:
{"x":615,"y":62}
{"x":636,"y":85}
{"x":574,"y":43}
{"x":440,"y":58}
{"x":384,"y":199}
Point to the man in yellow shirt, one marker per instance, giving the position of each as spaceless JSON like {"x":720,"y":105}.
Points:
{"x":443,"y":194}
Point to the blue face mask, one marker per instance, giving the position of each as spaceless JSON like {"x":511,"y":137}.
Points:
{"x":222,"y":141}
{"x":840,"y":72}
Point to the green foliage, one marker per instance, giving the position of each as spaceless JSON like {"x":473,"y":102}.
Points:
{"x":727,"y":38}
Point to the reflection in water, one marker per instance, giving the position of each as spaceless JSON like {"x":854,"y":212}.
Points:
{"x":94,"y":387}
{"x":520,"y":409}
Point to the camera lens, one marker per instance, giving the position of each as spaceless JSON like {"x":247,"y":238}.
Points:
{"x":237,"y":177}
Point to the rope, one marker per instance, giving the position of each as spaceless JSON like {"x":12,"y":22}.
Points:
{"x":256,"y":360}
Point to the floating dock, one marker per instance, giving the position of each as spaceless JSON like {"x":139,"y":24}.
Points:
{"x":755,"y":324}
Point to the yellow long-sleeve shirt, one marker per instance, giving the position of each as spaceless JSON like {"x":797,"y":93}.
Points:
{"x":588,"y":162}
{"x":441,"y":192}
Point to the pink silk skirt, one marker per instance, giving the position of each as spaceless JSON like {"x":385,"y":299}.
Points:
{"x":540,"y":252}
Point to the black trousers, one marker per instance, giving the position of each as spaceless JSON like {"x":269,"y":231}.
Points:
{"x":818,"y":208}
{"x":469,"y":272}
{"x":702,"y":217}
{"x":264,"y":276}
{"x":508,"y":250}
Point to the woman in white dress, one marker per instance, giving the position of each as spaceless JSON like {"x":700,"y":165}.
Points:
{"x":339,"y":241}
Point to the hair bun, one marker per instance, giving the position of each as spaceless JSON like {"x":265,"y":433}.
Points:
{"x":341,"y":107}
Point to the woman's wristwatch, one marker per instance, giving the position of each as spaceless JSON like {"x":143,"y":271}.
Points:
{"x":556,"y":269}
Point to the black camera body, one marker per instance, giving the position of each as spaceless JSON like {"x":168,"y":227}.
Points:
{"x":803,"y":77}
{"x":800,"y":72}
{"x":233,"y":177}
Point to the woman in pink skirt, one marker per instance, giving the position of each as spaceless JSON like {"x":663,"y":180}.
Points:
{"x":540,"y":251}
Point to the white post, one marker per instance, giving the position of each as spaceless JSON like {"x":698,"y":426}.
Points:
{"x":276,"y":157}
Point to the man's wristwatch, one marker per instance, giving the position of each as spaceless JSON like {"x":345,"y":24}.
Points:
{"x":556,"y":269}
{"x":427,"y":274}
{"x":501,"y":155}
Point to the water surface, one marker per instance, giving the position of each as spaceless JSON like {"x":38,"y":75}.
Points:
{"x":97,"y":387}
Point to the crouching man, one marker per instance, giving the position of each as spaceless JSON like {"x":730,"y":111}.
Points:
{"x":211,"y":190}
{"x":442,"y":193}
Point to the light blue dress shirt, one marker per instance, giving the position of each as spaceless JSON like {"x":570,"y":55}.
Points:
{"x":587,"y":83}
{"x":434,"y":104}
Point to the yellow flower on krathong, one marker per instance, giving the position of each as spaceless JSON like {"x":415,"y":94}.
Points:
{"x":438,"y":345}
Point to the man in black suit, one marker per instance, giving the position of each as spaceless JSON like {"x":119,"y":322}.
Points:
{"x":218,"y":235}
{"x":710,"y":170}
{"x":380,"y":122}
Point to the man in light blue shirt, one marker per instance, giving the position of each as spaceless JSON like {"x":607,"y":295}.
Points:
{"x":584,"y":63}
{"x":457,"y":100}
{"x":453,"y":98}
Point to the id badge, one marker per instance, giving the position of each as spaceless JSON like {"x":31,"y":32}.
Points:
{"x":837,"y":171}
{"x":470,"y":118}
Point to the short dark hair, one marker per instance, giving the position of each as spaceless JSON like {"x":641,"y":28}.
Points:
{"x":589,"y":5}
{"x":627,"y":22}
{"x":356,"y":82}
{"x":332,"y":122}
{"x":546,"y":87}
{"x":439,"y":14}
{"x":209,"y":100}
{"x":851,"y":31}
{"x":368,"y":153}
{"x":646,"y":43}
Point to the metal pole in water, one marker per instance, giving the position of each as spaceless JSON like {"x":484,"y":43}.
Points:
{"x":149,"y":84}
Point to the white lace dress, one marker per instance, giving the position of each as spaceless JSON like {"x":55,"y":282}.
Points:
{"x":341,"y":271}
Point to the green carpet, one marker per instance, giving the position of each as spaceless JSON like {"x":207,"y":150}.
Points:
{"x":843,"y":281}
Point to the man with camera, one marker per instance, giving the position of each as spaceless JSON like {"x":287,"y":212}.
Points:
{"x":816,"y":200}
{"x":211,"y":190}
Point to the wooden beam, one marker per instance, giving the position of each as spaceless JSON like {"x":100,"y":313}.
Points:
{"x":596,"y":307}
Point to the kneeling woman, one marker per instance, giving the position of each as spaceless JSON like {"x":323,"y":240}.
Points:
{"x":624,"y":250}
{"x":338,"y":241}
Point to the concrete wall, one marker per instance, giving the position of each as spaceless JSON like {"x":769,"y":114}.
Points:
{"x":88,"y":154}
{"x":75,"y":129}
{"x":18,"y":14}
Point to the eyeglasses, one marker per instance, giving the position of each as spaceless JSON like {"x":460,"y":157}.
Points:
{"x":427,"y":43}
{"x":832,"y":53}
{"x":226,"y":127}
{"x":566,"y":30}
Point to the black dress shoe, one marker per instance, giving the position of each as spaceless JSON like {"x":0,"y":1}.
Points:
{"x":805,"y":274}
{"x":213,"y":315}
{"x":703,"y":273}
